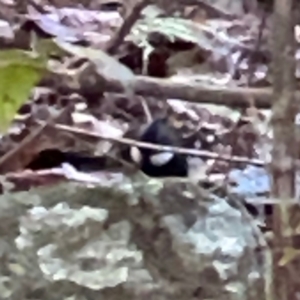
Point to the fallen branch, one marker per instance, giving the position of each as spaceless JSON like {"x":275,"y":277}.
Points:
{"x":195,"y":92}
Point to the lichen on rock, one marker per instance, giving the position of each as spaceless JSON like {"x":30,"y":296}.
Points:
{"x":136,"y":238}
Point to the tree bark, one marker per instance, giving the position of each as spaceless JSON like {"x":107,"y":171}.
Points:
{"x":283,"y":121}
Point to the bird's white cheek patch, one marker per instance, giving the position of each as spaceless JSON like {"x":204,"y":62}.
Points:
{"x":161,"y":158}
{"x":135,"y":154}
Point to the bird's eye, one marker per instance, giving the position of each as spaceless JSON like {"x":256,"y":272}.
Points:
{"x":161,"y":158}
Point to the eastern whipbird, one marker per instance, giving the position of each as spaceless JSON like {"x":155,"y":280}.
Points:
{"x":156,"y":163}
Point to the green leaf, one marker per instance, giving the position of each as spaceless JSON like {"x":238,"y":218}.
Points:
{"x":47,"y":47}
{"x":19,"y":72}
{"x":21,"y":57}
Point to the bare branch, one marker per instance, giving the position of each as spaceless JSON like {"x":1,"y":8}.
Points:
{"x":126,"y":27}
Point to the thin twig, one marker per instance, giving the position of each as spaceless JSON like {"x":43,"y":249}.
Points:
{"x":10,"y":158}
{"x":257,"y":46}
{"x":13,"y":153}
{"x":130,"y":142}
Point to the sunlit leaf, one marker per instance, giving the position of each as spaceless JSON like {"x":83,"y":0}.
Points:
{"x":172,"y":28}
{"x":289,"y":254}
{"x":19,"y":72}
{"x":106,"y":64}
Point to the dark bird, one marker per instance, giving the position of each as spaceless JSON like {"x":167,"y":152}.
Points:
{"x":160,"y":163}
{"x":152,"y":162}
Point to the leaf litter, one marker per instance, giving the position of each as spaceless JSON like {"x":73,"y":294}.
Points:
{"x":209,"y":45}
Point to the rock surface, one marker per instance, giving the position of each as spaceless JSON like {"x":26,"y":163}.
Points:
{"x":127,"y":239}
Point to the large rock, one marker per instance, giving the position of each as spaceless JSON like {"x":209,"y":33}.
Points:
{"x":139,"y":239}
